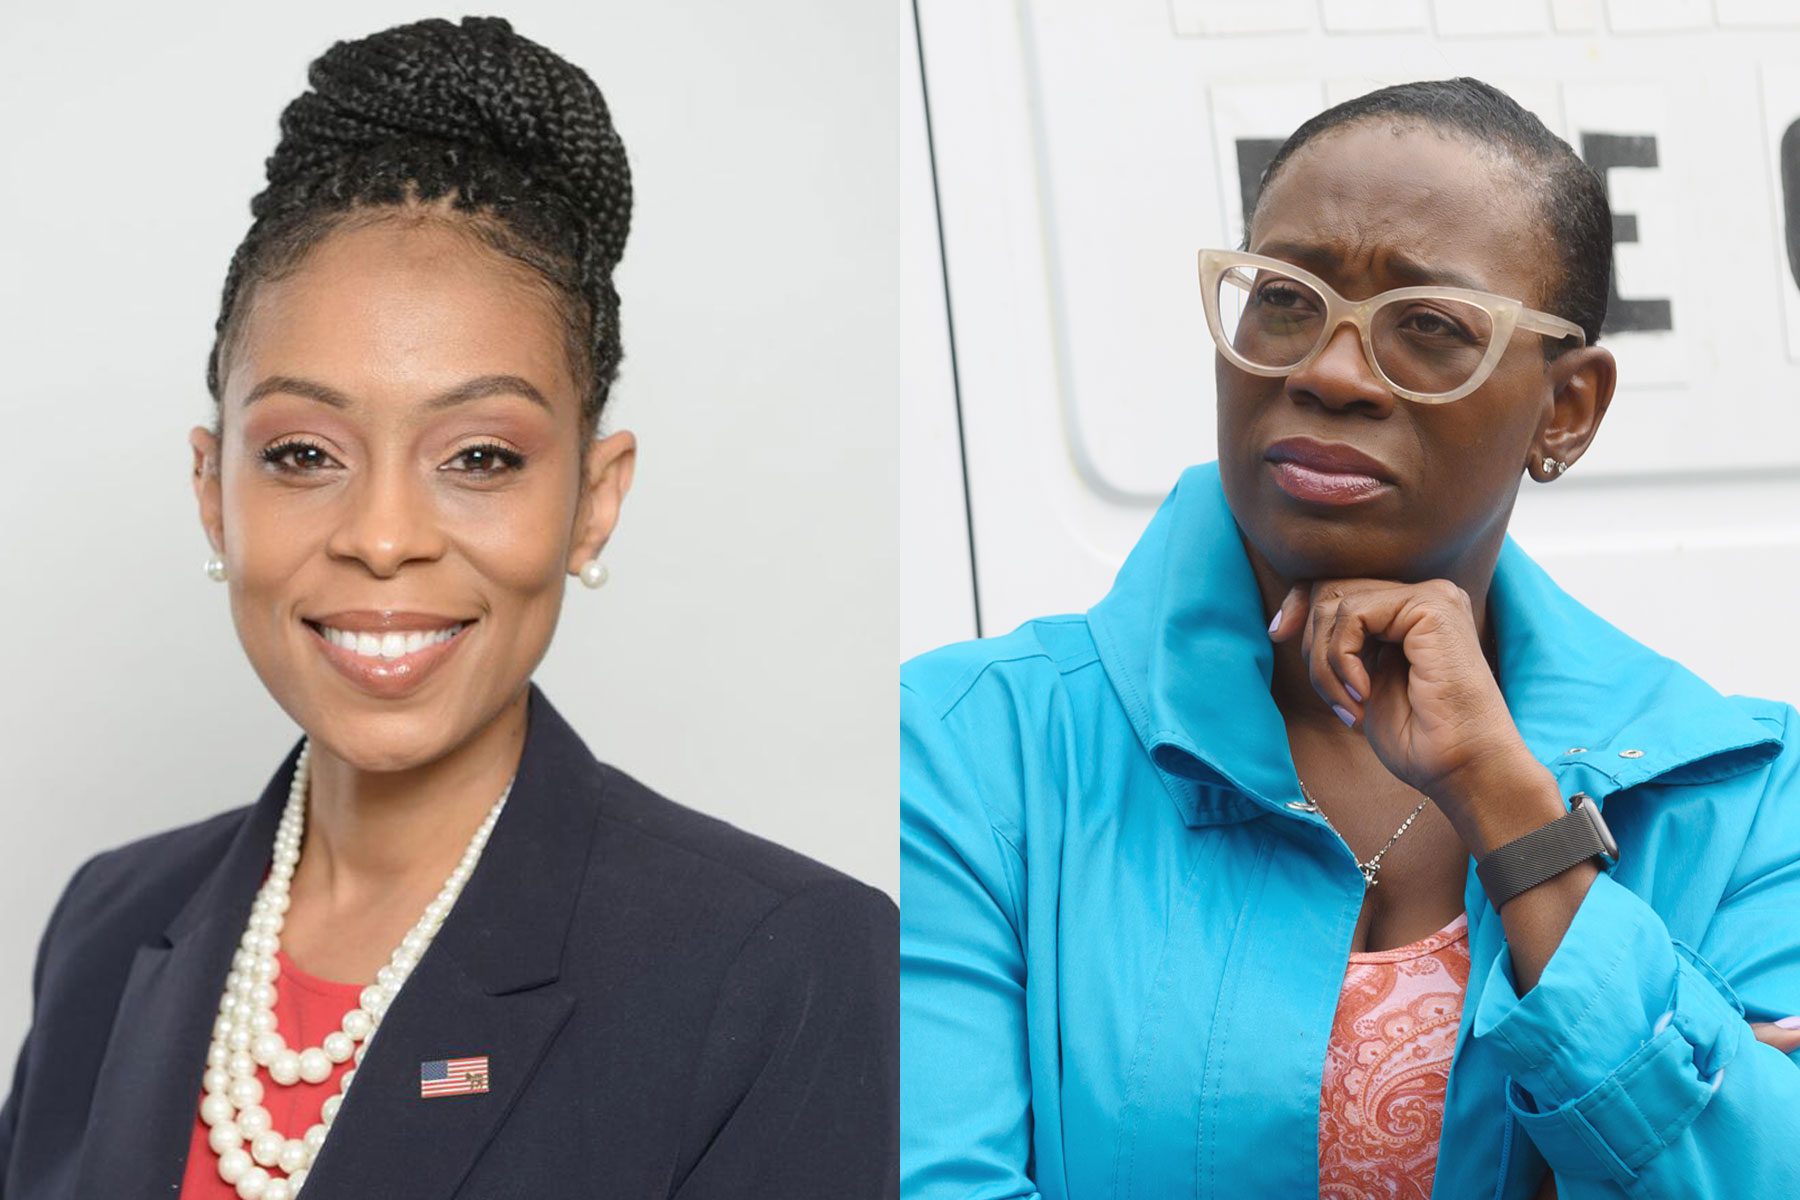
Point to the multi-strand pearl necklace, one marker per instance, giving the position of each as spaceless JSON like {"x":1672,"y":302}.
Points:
{"x":244,"y":1036}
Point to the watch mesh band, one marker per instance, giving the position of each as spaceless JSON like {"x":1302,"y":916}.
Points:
{"x":1548,"y":850}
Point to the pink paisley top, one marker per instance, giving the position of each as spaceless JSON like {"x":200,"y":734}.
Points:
{"x":1381,"y":1108}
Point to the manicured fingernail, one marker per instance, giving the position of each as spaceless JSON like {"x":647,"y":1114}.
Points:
{"x":1789,"y":1022}
{"x":1276,"y":621}
{"x":1343,"y":714}
{"x":1354,"y":694}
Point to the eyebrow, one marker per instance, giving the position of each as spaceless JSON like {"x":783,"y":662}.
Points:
{"x":469,"y":390}
{"x":1410,"y":271}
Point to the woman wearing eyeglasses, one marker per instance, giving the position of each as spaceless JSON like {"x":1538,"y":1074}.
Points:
{"x":1282,"y":871}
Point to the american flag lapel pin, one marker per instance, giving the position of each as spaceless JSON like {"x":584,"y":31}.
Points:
{"x":453,"y":1076}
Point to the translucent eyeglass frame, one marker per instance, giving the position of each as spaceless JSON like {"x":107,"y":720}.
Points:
{"x":1507,"y":314}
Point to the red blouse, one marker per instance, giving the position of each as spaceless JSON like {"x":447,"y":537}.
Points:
{"x":1387,"y":1067}
{"x":306,"y":1009}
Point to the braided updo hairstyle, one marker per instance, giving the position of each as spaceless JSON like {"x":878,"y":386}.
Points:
{"x":516,"y":137}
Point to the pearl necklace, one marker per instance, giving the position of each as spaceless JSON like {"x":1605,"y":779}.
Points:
{"x":244,"y":1035}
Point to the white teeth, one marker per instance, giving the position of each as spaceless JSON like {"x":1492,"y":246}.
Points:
{"x":388,"y":645}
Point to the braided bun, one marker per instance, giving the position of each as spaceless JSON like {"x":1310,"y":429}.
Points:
{"x":513,"y":134}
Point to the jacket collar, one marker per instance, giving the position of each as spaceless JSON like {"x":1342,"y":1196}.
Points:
{"x":487,"y":985}
{"x":1183,"y":639}
{"x":525,"y":885}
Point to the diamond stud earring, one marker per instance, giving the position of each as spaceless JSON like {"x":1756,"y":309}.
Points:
{"x":215,"y":569}
{"x":1555,"y":465}
{"x":594,"y":573}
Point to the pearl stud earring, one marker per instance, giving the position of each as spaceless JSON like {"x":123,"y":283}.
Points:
{"x":215,"y":569}
{"x":594,"y":573}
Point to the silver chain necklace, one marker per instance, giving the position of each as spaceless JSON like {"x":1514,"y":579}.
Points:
{"x":1369,"y":868}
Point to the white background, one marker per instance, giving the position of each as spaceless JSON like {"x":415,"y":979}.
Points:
{"x":1083,"y":154}
{"x":741,"y":658}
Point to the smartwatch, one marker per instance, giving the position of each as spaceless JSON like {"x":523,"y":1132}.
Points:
{"x":1527,"y":861}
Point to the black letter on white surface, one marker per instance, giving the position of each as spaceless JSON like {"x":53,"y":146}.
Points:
{"x":1253,"y":158}
{"x":1603,"y":152}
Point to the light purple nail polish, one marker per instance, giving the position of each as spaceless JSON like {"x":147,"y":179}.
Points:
{"x":1789,"y":1022}
{"x":1354,"y":694}
{"x":1343,"y":714}
{"x":1276,"y":621}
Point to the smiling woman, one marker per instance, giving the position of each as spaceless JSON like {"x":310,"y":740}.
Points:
{"x":388,"y":420}
{"x":1281,"y":871}
{"x":542,"y":977}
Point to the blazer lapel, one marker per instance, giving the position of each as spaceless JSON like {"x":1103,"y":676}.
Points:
{"x":387,"y":1140}
{"x":148,"y":1090}
{"x":486,"y":986}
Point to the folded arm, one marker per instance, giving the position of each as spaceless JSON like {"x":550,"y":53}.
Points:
{"x":1633,"y":1064}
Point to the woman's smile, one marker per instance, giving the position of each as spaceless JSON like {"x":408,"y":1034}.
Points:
{"x":385,"y":653}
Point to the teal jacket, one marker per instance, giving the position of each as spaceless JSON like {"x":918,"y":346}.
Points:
{"x":1121,"y":949}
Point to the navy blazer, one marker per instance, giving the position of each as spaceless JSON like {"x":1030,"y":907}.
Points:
{"x":670,"y":1007}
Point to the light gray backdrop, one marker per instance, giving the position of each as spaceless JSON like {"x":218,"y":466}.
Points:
{"x":741,"y":660}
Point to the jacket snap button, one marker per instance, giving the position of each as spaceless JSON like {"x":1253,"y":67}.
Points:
{"x":1631,"y":754}
{"x":1576,"y":750}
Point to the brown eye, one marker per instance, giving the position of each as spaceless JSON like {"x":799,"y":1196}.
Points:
{"x":1432,"y":323}
{"x":1281,"y":295}
{"x":306,"y":457}
{"x":487,"y":459}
